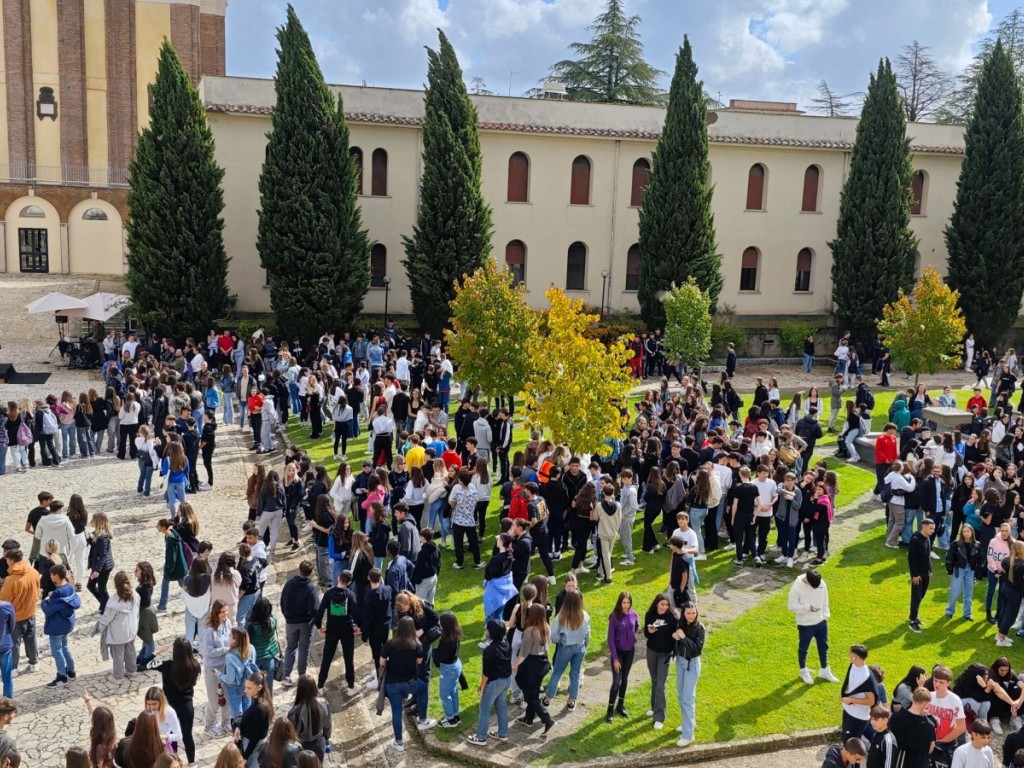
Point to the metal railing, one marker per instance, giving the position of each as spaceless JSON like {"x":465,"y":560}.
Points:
{"x":19,"y":172}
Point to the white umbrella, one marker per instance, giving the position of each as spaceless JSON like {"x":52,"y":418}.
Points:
{"x":101,"y":306}
{"x":55,"y":302}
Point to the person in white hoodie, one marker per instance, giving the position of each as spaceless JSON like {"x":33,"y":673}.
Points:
{"x":808,"y":599}
{"x":56,"y":526}
{"x":120,"y":623}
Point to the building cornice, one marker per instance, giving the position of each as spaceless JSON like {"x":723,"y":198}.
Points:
{"x":570,"y":130}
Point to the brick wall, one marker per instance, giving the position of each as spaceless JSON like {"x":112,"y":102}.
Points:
{"x":122,"y":120}
{"x":185,"y":38}
{"x":20,"y":102}
{"x":73,"y":116}
{"x":211,"y":44}
{"x":64,"y":198}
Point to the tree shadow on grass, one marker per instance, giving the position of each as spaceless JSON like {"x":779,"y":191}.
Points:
{"x":751,"y":711}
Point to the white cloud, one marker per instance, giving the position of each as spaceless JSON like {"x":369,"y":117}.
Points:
{"x":419,"y":18}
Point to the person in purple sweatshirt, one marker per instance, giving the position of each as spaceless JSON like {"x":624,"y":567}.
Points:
{"x":623,"y":624}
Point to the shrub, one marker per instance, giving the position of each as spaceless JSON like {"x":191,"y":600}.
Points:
{"x":614,"y":327}
{"x":792,"y":334}
{"x":724,"y":331}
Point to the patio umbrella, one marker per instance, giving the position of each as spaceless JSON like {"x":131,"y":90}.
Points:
{"x":55,"y":302}
{"x":101,"y":306}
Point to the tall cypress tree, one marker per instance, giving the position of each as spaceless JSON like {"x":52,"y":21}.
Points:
{"x":311,"y":240}
{"x":177,"y":268}
{"x":452,"y":235}
{"x":873,"y":253}
{"x":677,"y":227}
{"x":985,"y":235}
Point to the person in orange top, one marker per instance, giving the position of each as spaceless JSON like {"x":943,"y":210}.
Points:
{"x":886,"y":450}
{"x":22,"y":590}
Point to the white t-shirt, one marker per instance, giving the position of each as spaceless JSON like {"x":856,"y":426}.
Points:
{"x":766,"y":490}
{"x":843,"y":352}
{"x":857,"y":677}
{"x":130,"y":347}
{"x":402,"y":369}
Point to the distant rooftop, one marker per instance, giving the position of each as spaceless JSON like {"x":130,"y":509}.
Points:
{"x":750,"y":105}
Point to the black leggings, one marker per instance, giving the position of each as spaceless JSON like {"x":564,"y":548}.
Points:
{"x":331,"y":640}
{"x":580,"y":539}
{"x":480,"y":513}
{"x":187,"y":715}
{"x":208,"y":462}
{"x":341,"y":434}
{"x":98,"y":588}
{"x":620,"y":679}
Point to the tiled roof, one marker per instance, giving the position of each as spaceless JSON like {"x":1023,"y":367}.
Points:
{"x":613,"y":133}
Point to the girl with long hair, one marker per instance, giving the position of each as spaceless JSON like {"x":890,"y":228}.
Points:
{"x":256,"y":720}
{"x":83,"y":426}
{"x":654,"y":498}
{"x":270,"y":508}
{"x":226,"y":583}
{"x":102,"y":734}
{"x":196,"y":596}
{"x":282,"y":747}
{"x":239,"y":660}
{"x":659,"y":625}
{"x":583,"y":516}
{"x":447,"y":657}
{"x":178,"y":678}
{"x":311,"y":716}
{"x":322,"y":522}
{"x":339,"y":546}
{"x":401,"y":658}
{"x":120,"y":621}
{"x":214,"y":644}
{"x":146,"y":579}
{"x":571,"y":634}
{"x":963,"y":559}
{"x":101,"y":558}
{"x":262,"y":628}
{"x":254,"y":486}
{"x":689,"y":638}
{"x":144,"y":746}
{"x":531,"y":665}
{"x":166,"y":718}
{"x":177,"y":469}
{"x":79,"y":518}
{"x":293,"y":492}
{"x":1012,"y":592}
{"x":623,"y":625}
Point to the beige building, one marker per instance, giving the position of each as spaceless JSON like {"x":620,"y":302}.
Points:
{"x":74,"y":92}
{"x":564,"y":179}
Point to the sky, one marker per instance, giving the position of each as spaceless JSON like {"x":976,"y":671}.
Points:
{"x":776,"y":50}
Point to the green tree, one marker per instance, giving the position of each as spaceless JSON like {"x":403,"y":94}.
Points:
{"x":985,"y":235}
{"x":924,"y":330}
{"x":494,"y":331}
{"x":611,"y":69}
{"x":687,"y":323}
{"x":873,"y":253}
{"x":452,"y":235}
{"x":677,"y":227}
{"x":177,"y":268}
{"x":310,"y":240}
{"x":1009,"y":33}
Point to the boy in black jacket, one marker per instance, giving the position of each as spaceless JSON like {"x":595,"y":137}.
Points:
{"x":376,"y":620}
{"x":920,"y":562}
{"x":883,"y":750}
{"x":841,"y":755}
{"x":427,"y":567}
{"x":338,"y":605}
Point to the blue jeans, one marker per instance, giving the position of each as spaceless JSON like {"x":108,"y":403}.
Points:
{"x":145,"y":483}
{"x":449,"y":688}
{"x":241,"y":412}
{"x":962,"y":581}
{"x":396,"y":693}
{"x":68,"y":437}
{"x":165,"y":588}
{"x":947,"y":522}
{"x":229,"y":408}
{"x":697,"y":515}
{"x":789,"y":535}
{"x":818,"y":633}
{"x":86,"y":444}
{"x":851,"y":447}
{"x":494,"y":698}
{"x":808,"y":363}
{"x":148,"y":650}
{"x":337,"y":566}
{"x":293,"y":395}
{"x":61,"y":656}
{"x":175,"y":496}
{"x":567,"y":656}
{"x":908,"y":523}
{"x":245,"y":604}
{"x":268,"y":666}
{"x":238,"y":702}
{"x":687,"y":674}
{"x":437,"y":516}
{"x":5,"y":671}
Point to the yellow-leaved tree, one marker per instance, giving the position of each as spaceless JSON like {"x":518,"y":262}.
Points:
{"x":576,"y":385}
{"x":494,"y":331}
{"x":925,"y":329}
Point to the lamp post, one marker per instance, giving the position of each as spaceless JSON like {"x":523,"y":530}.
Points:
{"x":387,"y":290}
{"x":604,"y":285}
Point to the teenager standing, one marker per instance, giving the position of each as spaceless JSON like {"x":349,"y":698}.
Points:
{"x":808,"y":599}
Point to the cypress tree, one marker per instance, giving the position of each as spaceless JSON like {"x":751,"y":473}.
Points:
{"x":873,"y":252}
{"x":985,"y":235}
{"x":677,"y":227}
{"x":452,"y":235}
{"x":311,"y":240}
{"x":177,"y":267}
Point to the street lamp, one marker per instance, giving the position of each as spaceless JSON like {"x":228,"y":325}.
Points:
{"x":604,"y":285}
{"x":387,"y":290}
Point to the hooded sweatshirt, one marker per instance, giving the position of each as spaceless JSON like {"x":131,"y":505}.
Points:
{"x":803,"y":597}
{"x":22,"y":589}
{"x":121,"y":619}
{"x":60,"y":609}
{"x":58,"y":527}
{"x":900,"y":415}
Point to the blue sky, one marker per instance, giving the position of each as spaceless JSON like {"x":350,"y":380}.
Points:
{"x":768,"y":49}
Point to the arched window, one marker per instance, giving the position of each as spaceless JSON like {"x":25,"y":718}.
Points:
{"x":378,"y":265}
{"x":357,"y":159}
{"x":518,"y":178}
{"x":579,"y":191}
{"x":641,"y":175}
{"x":633,"y":268}
{"x":803,"y":270}
{"x":812,"y":177}
{"x":749,"y":268}
{"x":515,"y":259}
{"x":918,"y":190}
{"x":94,"y":214}
{"x":379,"y":173}
{"x":576,"y":268}
{"x":755,"y":188}
{"x":32,"y":212}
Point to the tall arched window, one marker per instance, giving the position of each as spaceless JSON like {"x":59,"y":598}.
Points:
{"x":804,"y":260}
{"x":812,"y":177}
{"x":515,"y":260}
{"x":755,"y":187}
{"x":576,"y":268}
{"x":918,"y":190}
{"x":579,"y":191}
{"x":379,"y":173}
{"x":357,"y":159}
{"x":518,"y":178}
{"x":641,"y":175}
{"x":378,"y":265}
{"x":633,"y":268}
{"x":749,"y":268}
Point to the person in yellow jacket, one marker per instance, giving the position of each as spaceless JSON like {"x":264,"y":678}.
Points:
{"x":22,"y":589}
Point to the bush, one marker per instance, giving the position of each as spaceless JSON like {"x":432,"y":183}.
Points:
{"x":614,"y":327}
{"x":246,"y":328}
{"x":723,"y":331}
{"x":792,"y":334}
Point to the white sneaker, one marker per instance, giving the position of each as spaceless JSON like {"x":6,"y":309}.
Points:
{"x":1007,"y":643}
{"x":807,"y":676}
{"x":397,"y":746}
{"x":353,"y":690}
{"x":780,"y":559}
{"x":701,"y":557}
{"x":728,"y":547}
{"x":1016,"y":723}
{"x":582,"y":569}
{"x":649,"y":713}
{"x":306,"y":529}
{"x":997,"y":727}
{"x":658,"y":726}
{"x":287,"y":682}
{"x":789,"y":562}
{"x":684,"y":742}
{"x":425,"y":725}
{"x":826,"y":674}
{"x":371,"y":685}
{"x":935,"y":556}
{"x":552,"y":580}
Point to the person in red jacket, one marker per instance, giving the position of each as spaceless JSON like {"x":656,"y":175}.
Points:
{"x":886,"y":449}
